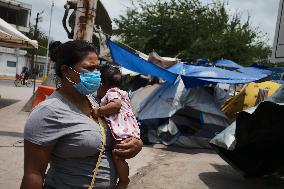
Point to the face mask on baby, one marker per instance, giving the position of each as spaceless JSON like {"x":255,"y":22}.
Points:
{"x":89,"y":82}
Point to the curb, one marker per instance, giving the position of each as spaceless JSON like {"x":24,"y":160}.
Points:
{"x":13,"y":79}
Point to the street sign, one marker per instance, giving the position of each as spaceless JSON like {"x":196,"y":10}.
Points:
{"x":278,"y":46}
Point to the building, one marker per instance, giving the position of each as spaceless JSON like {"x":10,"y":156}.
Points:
{"x":18,"y":15}
{"x":40,"y":62}
{"x":9,"y":59}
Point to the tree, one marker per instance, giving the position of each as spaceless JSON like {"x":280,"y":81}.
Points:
{"x":42,"y":41}
{"x":190,"y":30}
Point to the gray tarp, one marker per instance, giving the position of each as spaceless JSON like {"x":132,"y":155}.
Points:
{"x":165,"y":100}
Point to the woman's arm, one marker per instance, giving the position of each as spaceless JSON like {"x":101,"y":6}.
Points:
{"x":35,"y":164}
{"x":128,"y":148}
{"x":113,"y":107}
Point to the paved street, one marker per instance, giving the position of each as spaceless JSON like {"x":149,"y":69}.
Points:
{"x":155,"y":167}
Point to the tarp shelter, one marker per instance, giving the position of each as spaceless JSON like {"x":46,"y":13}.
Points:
{"x":135,"y":63}
{"x":192,"y":76}
{"x":254,"y":69}
{"x":167,"y":99}
{"x":11,"y":37}
{"x":173,"y":114}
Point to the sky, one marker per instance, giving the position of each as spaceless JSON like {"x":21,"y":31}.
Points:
{"x":263,"y":14}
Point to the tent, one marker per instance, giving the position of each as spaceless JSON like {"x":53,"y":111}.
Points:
{"x":11,"y":37}
{"x":188,"y":116}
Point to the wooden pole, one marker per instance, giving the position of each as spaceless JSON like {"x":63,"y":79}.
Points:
{"x":85,"y":20}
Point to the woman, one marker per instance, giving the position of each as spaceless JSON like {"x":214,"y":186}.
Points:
{"x":62,"y":132}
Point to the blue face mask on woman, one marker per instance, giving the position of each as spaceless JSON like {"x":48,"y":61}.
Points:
{"x":89,"y":84}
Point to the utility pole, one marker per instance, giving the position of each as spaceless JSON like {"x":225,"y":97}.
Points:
{"x":85,"y":20}
{"x":47,"y":58}
{"x":34,"y":72}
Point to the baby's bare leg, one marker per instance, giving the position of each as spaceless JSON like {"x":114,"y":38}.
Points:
{"x":122,"y":170}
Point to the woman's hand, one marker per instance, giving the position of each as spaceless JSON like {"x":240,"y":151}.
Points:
{"x":128,"y":148}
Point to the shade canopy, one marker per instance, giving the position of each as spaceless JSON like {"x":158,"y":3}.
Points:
{"x":11,"y":37}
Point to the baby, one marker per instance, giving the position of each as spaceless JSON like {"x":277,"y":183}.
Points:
{"x":115,"y":107}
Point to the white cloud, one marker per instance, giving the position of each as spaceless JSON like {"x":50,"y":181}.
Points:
{"x":263,"y":13}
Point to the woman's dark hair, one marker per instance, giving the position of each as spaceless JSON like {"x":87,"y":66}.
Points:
{"x":110,"y":75}
{"x":69,"y":53}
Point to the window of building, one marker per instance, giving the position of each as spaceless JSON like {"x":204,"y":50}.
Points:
{"x":11,"y":64}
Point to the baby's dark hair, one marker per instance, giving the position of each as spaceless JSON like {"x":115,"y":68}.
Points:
{"x":110,"y":75}
{"x":69,"y":53}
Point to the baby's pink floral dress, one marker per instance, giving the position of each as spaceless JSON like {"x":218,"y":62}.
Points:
{"x":123,"y":124}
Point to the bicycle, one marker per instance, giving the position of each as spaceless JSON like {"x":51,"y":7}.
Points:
{"x":21,"y":82}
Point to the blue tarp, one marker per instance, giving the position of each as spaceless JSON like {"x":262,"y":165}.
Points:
{"x":227,"y":64}
{"x":135,"y":63}
{"x":192,"y":76}
{"x":277,"y":72}
{"x":254,"y":71}
{"x":198,"y":75}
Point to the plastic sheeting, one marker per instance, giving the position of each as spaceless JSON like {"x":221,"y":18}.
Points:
{"x":254,"y":71}
{"x":192,"y":76}
{"x":278,"y":96}
{"x":197,"y":75}
{"x":228,"y":64}
{"x":253,"y":144}
{"x":134,"y":63}
{"x":226,"y":139}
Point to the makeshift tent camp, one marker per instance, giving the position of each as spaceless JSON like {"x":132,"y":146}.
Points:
{"x":11,"y":37}
{"x":192,"y":76}
{"x":172,"y":108}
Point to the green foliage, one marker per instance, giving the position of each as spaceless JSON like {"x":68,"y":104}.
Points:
{"x":42,"y":41}
{"x":189,"y":29}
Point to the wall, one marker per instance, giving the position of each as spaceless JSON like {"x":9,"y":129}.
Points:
{"x":11,"y":71}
